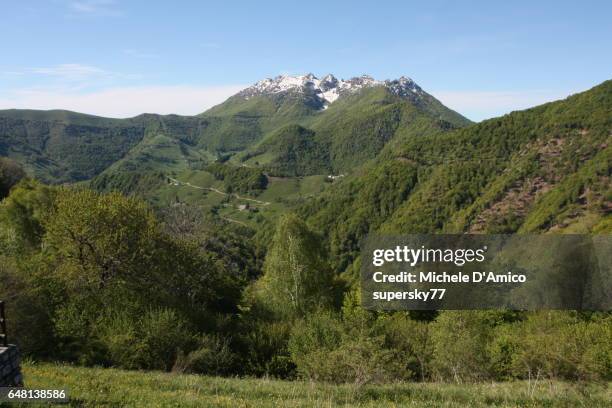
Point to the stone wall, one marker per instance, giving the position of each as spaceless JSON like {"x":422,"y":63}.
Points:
{"x":10,"y":374}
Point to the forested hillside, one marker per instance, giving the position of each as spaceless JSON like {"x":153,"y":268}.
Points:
{"x":169,"y":261}
{"x":348,"y":133}
{"x":542,"y":169}
{"x":62,"y":146}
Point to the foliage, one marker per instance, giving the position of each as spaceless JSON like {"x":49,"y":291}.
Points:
{"x":211,"y":355}
{"x":95,"y":387}
{"x":460,"y":345}
{"x":23,"y":214}
{"x":296,"y":276}
{"x":239,"y":179}
{"x":559,"y":345}
{"x":413,"y":342}
{"x":10,"y":173}
{"x":112,"y":286}
{"x":111,"y":282}
{"x":326,"y":348}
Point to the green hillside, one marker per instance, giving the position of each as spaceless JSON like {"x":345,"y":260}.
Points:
{"x":62,"y":146}
{"x":543,"y":169}
{"x":348,"y":133}
{"x":235,"y":271}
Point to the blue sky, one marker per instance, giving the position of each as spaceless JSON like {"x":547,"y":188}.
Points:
{"x":120,"y":58}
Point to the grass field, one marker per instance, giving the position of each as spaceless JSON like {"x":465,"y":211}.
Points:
{"x":97,"y":387}
{"x":194,"y":187}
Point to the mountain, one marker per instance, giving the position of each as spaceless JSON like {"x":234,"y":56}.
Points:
{"x":329,"y":125}
{"x":542,"y":169}
{"x":60,"y":146}
{"x":342,"y":120}
{"x":350,"y":156}
{"x":323,"y":92}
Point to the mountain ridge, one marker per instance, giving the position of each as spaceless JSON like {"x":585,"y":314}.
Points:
{"x":90,"y":145}
{"x":328,"y":88}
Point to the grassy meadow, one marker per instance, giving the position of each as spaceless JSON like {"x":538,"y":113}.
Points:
{"x":101,"y":387}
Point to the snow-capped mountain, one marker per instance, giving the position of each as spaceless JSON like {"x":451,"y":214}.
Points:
{"x":328,"y":89}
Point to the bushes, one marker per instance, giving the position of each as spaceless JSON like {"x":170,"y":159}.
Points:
{"x":239,"y":179}
{"x":121,"y":338}
{"x":262,"y":346}
{"x":28,"y":321}
{"x":162,"y":333}
{"x":412,"y":340}
{"x":559,"y":345}
{"x":311,"y":343}
{"x":460,"y":346}
{"x":212,"y":356}
{"x":98,"y":281}
{"x":472,"y":345}
{"x":326,"y":348}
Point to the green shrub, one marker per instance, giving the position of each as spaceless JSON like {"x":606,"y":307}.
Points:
{"x":151,"y":341}
{"x":412,"y":340}
{"x":119,"y":334}
{"x":460,"y":340}
{"x":263,"y":347}
{"x":325,"y":350}
{"x":560,"y":345}
{"x":212,"y":356}
{"x":163,"y":332}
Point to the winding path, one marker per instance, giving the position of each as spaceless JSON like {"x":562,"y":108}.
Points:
{"x":186,"y":183}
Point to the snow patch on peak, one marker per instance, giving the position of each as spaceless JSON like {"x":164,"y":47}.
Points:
{"x":328,"y":89}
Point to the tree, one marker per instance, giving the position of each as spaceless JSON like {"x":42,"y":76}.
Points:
{"x":297,"y":277}
{"x":99,"y":239}
{"x":10,"y":174}
{"x":23,"y":213}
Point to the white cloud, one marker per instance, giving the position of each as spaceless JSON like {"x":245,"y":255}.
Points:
{"x":140,"y":54}
{"x":479,"y":105}
{"x":123,"y":102}
{"x":96,"y":7}
{"x":72,"y":72}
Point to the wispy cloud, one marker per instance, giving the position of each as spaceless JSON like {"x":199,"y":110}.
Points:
{"x":122,"y":102}
{"x":72,"y":72}
{"x":11,"y":73}
{"x":479,"y":105}
{"x":140,"y":54}
{"x":96,"y":7}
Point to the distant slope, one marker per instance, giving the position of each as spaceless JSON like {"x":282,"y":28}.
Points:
{"x":543,"y":169}
{"x":351,"y":131}
{"x":60,"y":146}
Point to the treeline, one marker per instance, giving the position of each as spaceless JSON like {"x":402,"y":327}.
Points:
{"x":100,"y":279}
{"x":529,"y":171}
{"x":128,"y":182}
{"x":239,"y":179}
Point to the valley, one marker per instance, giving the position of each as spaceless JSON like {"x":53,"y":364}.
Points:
{"x":229,"y":243}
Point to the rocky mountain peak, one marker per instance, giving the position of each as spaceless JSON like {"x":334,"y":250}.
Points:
{"x":328,"y":89}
